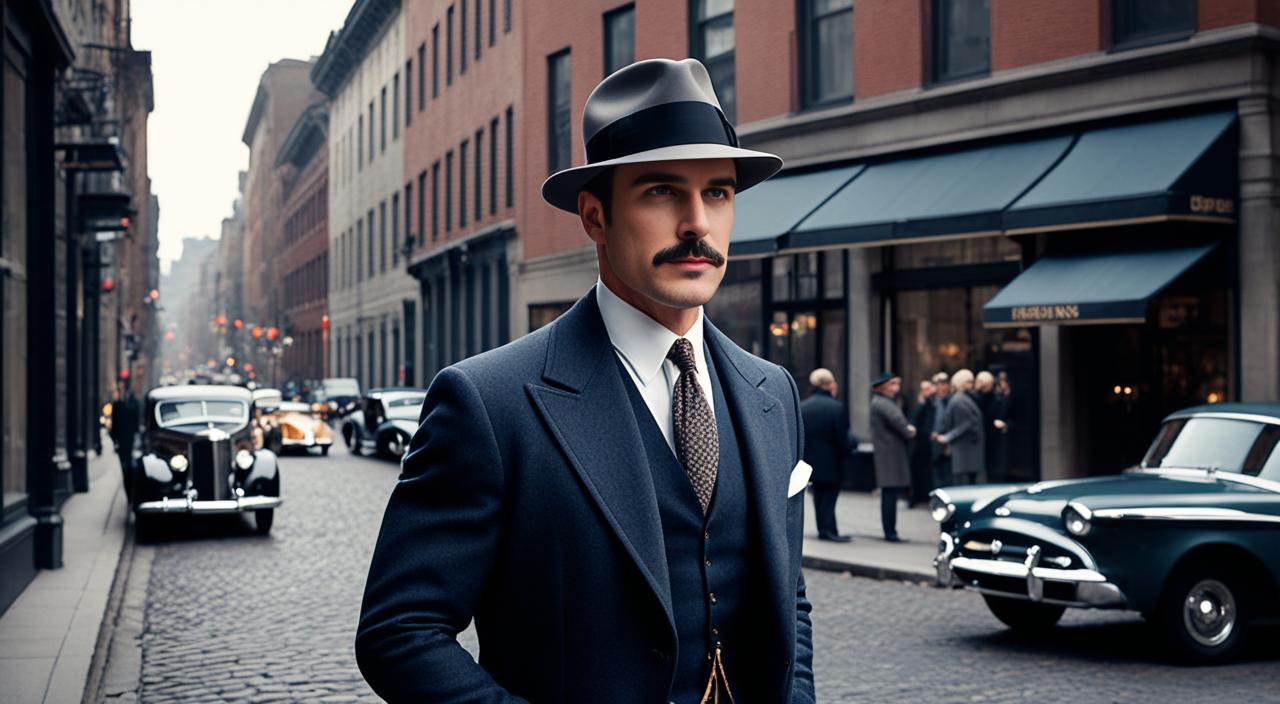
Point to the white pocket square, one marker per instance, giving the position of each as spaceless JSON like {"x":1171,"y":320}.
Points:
{"x":799,"y":478}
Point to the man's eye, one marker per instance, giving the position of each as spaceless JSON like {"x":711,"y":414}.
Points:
{"x":661,"y":190}
{"x":717,"y":193}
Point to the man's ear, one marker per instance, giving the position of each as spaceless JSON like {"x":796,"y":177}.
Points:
{"x":591,"y":213}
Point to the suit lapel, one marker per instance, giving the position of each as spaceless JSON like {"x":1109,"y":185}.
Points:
{"x":767,"y":450}
{"x":587,"y":411}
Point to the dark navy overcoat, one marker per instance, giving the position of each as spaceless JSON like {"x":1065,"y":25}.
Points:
{"x":526,"y":503}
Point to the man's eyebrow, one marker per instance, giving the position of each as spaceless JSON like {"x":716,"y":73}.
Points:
{"x":657,"y":177}
{"x":724,"y":181}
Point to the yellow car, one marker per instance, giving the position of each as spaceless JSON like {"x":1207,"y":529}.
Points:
{"x":293,"y":424}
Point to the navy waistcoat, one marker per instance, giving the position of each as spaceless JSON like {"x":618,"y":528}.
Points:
{"x":711,"y":560}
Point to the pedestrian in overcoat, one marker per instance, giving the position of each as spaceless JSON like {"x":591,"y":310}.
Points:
{"x":827,"y":442}
{"x":964,"y":433}
{"x":921,"y":446}
{"x":890,"y":433}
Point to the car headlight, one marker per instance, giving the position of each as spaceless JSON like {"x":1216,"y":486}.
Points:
{"x":1078,"y":519}
{"x":940,"y":506}
{"x":244,"y":459}
{"x":178,"y":463}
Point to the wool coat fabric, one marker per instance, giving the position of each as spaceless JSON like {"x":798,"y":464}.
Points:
{"x":963,"y":428}
{"x":889,"y":437}
{"x":526,"y":503}
{"x":827,"y":440}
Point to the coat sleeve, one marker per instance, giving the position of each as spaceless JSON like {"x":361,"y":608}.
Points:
{"x":802,"y":691}
{"x":434,"y":553}
{"x":962,"y":420}
{"x":899,"y":423}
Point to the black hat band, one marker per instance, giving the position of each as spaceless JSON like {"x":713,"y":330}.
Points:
{"x":666,"y":125}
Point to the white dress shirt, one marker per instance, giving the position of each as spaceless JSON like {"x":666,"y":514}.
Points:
{"x":642,"y":345}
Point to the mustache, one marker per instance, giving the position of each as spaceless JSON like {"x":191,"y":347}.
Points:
{"x":690,"y":249}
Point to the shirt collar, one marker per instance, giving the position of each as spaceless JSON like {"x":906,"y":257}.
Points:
{"x":641,"y":340}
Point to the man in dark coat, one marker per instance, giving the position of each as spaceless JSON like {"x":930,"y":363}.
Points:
{"x":963,"y":432}
{"x":126,"y":415}
{"x":827,"y":442}
{"x":921,"y":447}
{"x":890,"y":433}
{"x":616,"y":499}
{"x":941,"y":453}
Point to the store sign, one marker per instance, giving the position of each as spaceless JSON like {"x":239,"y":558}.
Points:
{"x":1043,"y":313}
{"x":1209,"y":205}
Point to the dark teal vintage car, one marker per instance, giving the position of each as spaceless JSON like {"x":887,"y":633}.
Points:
{"x":1190,"y":538}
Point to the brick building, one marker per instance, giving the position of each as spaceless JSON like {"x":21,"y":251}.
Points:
{"x":947,"y":161}
{"x":303,"y":165}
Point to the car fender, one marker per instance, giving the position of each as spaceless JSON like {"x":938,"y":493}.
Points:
{"x":151,"y":475}
{"x":263,"y":478}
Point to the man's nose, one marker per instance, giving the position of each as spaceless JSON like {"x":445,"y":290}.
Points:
{"x":694,"y":224}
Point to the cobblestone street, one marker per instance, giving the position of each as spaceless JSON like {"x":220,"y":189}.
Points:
{"x":232,"y":616}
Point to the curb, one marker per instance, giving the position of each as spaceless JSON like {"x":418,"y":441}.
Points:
{"x":869,"y":571}
{"x":115,"y":600}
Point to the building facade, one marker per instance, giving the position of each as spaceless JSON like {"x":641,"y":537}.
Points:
{"x":284,"y":92}
{"x":948,"y":163}
{"x":77,"y":258}
{"x":360,"y":72}
{"x":304,"y":169}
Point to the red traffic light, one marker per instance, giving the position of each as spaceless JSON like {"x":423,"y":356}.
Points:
{"x":124,"y":374}
{"x":272,"y":333}
{"x":108,"y":285}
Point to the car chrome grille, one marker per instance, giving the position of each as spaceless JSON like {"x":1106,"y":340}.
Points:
{"x":210,"y":467}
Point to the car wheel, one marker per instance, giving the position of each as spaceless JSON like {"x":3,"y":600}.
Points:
{"x":1204,"y":614}
{"x":262,"y":520}
{"x":1024,"y":616}
{"x":144,"y":527}
{"x":324,"y":450}
{"x":393,"y":445}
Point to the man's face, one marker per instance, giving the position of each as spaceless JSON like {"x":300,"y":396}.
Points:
{"x":667,"y":239}
{"x":891,"y":388}
{"x":944,"y":389}
{"x":927,"y":389}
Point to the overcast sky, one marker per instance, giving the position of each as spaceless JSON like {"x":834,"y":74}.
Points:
{"x":207,"y":57}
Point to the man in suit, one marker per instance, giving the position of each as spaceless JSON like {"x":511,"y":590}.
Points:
{"x":963,"y":432}
{"x":921,"y":448}
{"x":827,"y":442}
{"x":617,"y":498}
{"x":890,"y":433}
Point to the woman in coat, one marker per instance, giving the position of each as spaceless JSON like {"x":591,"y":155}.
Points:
{"x":963,"y":430}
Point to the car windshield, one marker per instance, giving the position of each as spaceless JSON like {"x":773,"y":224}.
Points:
{"x":191,"y":411}
{"x":294,"y":407}
{"x":341,"y":387}
{"x":1204,"y":443}
{"x":405,"y":402}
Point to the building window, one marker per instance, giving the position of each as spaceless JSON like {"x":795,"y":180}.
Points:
{"x":372,"y":243}
{"x":558,"y":129}
{"x":448,"y":48}
{"x":493,"y":36}
{"x":422,"y":205}
{"x":713,"y":45}
{"x":408,"y":92}
{"x":493,"y":166}
{"x":382,"y":121}
{"x":479,"y":201}
{"x":395,"y":229}
{"x":371,"y":142}
{"x":506,"y":16}
{"x":961,"y":39}
{"x":359,"y":247}
{"x":360,"y":143}
{"x":541,"y":314}
{"x":435,"y":201}
{"x":408,"y":213}
{"x":382,"y":237}
{"x":828,"y":51}
{"x":462,"y":185}
{"x":1142,"y":22}
{"x":422,"y":70}
{"x":510,"y":159}
{"x":462,"y":39}
{"x":435,"y":64}
{"x":448,"y":192}
{"x":395,"y":107}
{"x":619,"y":38}
{"x":479,"y":30}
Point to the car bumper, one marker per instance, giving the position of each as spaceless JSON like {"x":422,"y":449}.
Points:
{"x":185,"y":505}
{"x":305,"y":442}
{"x":1027,"y":580}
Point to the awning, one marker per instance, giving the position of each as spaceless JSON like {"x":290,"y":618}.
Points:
{"x":771,"y":209}
{"x":1098,"y":288}
{"x":1179,"y":168}
{"x":948,"y":194}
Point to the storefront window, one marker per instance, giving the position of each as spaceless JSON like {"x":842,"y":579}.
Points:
{"x":735,"y":309}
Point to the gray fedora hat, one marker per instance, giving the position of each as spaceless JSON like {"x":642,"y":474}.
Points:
{"x":655,"y":110}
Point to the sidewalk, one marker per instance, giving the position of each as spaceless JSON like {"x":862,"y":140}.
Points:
{"x":49,"y":635}
{"x":858,"y":515}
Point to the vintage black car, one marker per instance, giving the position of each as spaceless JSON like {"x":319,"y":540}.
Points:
{"x":198,"y":456}
{"x":339,"y":396}
{"x":387,"y":420}
{"x":1190,"y":538}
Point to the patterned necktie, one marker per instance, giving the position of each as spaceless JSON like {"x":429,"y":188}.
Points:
{"x":697,"y":442}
